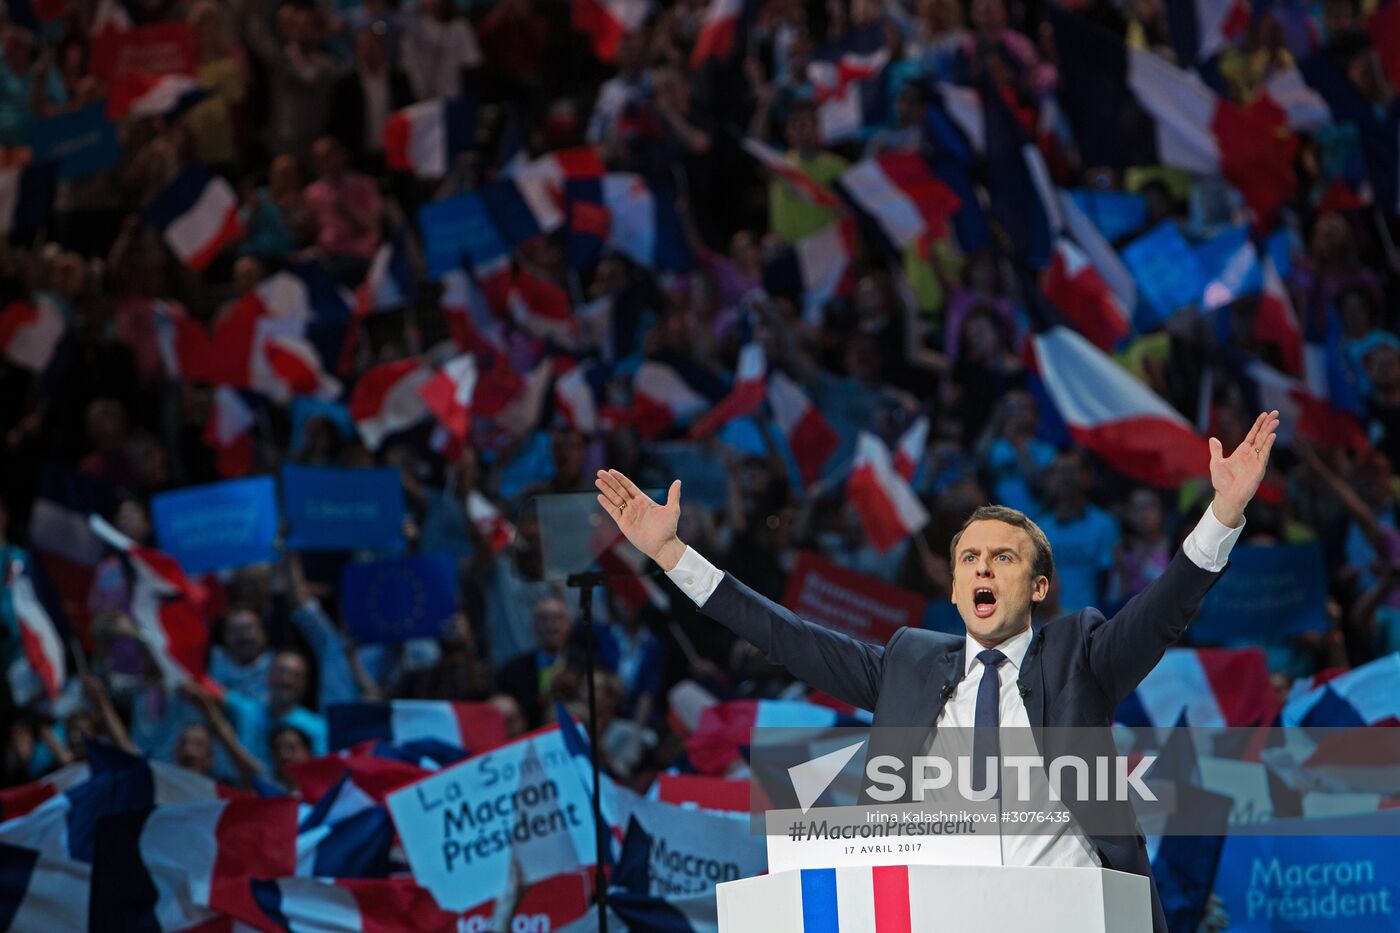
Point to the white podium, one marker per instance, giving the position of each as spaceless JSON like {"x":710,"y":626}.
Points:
{"x":939,"y":898}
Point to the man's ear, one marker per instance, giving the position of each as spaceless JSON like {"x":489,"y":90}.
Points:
{"x":1040,"y":589}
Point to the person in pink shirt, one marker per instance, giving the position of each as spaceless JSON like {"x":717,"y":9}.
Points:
{"x":347,"y":211}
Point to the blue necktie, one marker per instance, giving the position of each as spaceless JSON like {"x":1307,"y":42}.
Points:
{"x":986,"y":743}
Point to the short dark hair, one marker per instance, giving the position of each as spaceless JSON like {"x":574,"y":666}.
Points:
{"x":1042,"y":564}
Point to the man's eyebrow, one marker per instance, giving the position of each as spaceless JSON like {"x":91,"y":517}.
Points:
{"x":1003,"y":549}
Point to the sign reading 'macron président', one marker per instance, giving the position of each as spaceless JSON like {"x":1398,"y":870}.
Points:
{"x":462,"y":826}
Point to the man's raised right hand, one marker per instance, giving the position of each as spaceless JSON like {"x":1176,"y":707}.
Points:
{"x":650,"y":527}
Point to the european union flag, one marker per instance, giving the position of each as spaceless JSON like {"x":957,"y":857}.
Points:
{"x":399,"y":598}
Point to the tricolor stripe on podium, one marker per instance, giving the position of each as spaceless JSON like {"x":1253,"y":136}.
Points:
{"x":846,"y":900}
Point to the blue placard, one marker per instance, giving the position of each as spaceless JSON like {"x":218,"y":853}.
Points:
{"x":456,"y":229}
{"x":81,"y":141}
{"x":1230,"y":268}
{"x":1318,"y":883}
{"x":218,"y":526}
{"x":398,"y":598}
{"x":1267,"y":593}
{"x":1167,"y":273}
{"x":1116,"y":213}
{"x":330,"y":509}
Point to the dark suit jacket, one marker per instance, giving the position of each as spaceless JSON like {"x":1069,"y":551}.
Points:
{"x":347,"y":118}
{"x":1076,"y":671}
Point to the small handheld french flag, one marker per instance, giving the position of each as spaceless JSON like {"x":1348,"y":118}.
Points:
{"x":427,"y":137}
{"x":197,"y":216}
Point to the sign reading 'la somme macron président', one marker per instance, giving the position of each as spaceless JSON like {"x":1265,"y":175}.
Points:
{"x":462,"y":826}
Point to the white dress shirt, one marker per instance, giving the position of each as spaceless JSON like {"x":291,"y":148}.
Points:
{"x":1208,"y":547}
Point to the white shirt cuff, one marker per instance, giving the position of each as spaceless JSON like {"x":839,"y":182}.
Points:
{"x":696,"y":576}
{"x":1210,"y":542}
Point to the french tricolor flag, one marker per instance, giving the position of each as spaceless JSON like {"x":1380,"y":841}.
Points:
{"x":111,"y":782}
{"x":387,"y":399}
{"x":183,"y":862}
{"x":796,"y":179}
{"x":291,"y":366}
{"x":815,"y":270}
{"x":605,"y":22}
{"x":1194,"y":129}
{"x":474,"y":727}
{"x":718,"y":31}
{"x":900,"y":193}
{"x":561,"y":168}
{"x":1213,"y":687}
{"x":810,"y":437}
{"x":229,"y":433}
{"x":299,"y":302}
{"x":348,"y":905}
{"x":197,"y":216}
{"x":1114,"y":415}
{"x":30,"y":332}
{"x":909,"y":451}
{"x":1076,"y":288}
{"x":42,"y":892}
{"x":889,"y":510}
{"x":165,"y":95}
{"x":522,"y":207}
{"x":744,"y":398}
{"x":17,"y":801}
{"x":427,"y":137}
{"x":661,"y":398}
{"x":848,"y":92}
{"x":348,"y":834}
{"x":38,"y":635}
{"x":543,"y":310}
{"x":644,"y":224}
{"x":1362,"y":696}
{"x":867,"y":898}
{"x":165,"y":606}
{"x":448,"y":395}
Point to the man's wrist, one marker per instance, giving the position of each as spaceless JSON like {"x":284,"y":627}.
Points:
{"x":1229,"y":516}
{"x":670,"y":554}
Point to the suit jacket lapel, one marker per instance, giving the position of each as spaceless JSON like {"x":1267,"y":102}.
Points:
{"x":1032,"y":680}
{"x":945,"y":673}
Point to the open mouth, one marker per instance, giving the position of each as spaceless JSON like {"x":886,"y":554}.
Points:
{"x":984,"y":602}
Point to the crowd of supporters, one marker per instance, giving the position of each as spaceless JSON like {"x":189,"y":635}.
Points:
{"x":295,"y":101}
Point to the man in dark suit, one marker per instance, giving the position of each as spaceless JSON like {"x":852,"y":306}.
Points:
{"x":1072,"y":671}
{"x":363,"y":98}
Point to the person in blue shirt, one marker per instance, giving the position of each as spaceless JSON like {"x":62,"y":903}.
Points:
{"x":241,"y":663}
{"x":1012,"y":457}
{"x":255,"y":722}
{"x":1084,"y":536}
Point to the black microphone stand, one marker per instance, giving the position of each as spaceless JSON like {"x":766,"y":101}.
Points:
{"x":584,"y":583}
